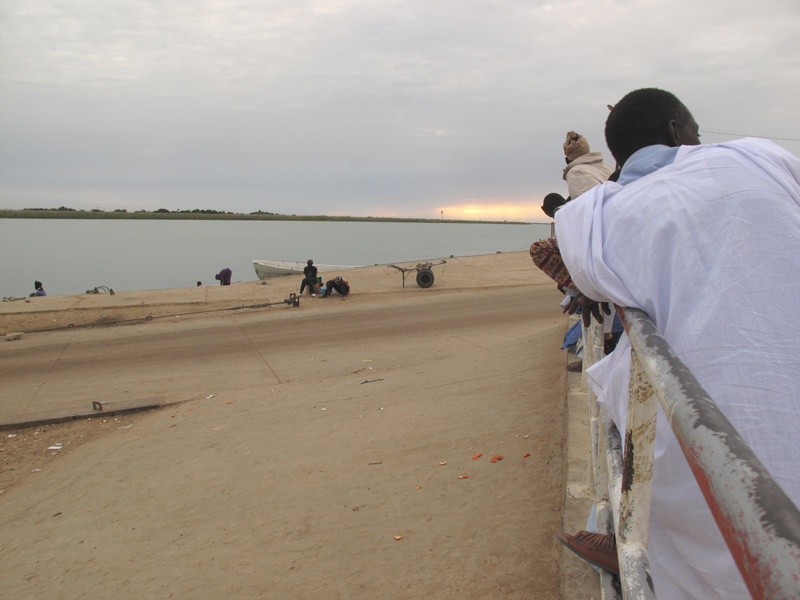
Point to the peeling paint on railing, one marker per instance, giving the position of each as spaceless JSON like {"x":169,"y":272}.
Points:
{"x":633,"y":524}
{"x":606,"y":437}
{"x":759,"y":522}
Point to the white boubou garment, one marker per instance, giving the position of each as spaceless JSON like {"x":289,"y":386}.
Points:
{"x":705,"y":240}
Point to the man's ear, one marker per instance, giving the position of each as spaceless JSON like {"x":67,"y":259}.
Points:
{"x":673,"y":135}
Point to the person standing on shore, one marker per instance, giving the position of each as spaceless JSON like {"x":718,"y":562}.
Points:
{"x":224,"y":277}
{"x":310,"y":278}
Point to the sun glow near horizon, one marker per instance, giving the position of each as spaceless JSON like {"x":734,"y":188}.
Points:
{"x":527,"y":211}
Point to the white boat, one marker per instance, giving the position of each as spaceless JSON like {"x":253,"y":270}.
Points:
{"x":276,"y":268}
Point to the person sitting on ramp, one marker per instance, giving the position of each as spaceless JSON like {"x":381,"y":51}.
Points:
{"x":39,"y":289}
{"x":339,"y":284}
{"x":309,"y":278}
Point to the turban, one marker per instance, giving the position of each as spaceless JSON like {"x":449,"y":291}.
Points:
{"x":575,"y":146}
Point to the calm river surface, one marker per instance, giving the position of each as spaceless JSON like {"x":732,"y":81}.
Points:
{"x":70,"y":256}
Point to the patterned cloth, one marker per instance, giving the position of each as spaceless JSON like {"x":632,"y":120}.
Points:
{"x":547,"y":257}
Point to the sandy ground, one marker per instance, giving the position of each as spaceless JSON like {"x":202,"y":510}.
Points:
{"x":299,"y":445}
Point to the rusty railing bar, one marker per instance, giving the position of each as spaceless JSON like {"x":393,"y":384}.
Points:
{"x":599,"y":471}
{"x":759,"y":522}
{"x":633,"y":524}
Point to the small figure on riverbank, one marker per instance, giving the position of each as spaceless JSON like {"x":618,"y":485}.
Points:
{"x":224,"y":277}
{"x":200,"y":284}
{"x":339,"y":284}
{"x":310,"y":278}
{"x":37,"y":285}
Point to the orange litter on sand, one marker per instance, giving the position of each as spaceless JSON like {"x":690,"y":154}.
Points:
{"x":477,"y":456}
{"x":443,"y":463}
{"x":463,"y":476}
{"x":526,"y":455}
{"x":229,"y":402}
{"x":419,"y":487}
{"x":525,"y":437}
{"x":398,"y":537}
{"x":496,"y":458}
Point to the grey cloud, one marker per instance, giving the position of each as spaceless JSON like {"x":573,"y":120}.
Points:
{"x":359,"y":106}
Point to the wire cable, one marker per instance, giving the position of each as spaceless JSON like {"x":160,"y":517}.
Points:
{"x":766,"y":137}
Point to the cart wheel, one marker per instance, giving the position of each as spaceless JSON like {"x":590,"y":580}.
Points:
{"x":424,"y":278}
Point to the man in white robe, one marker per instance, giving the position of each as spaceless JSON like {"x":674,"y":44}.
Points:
{"x":706,"y":240}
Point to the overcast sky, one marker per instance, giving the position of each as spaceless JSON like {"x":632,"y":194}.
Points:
{"x":362,"y":107}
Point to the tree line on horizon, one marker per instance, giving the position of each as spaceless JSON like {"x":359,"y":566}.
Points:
{"x":65,"y":212}
{"x":202,"y":211}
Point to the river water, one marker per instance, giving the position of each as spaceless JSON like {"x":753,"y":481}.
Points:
{"x":70,"y":256}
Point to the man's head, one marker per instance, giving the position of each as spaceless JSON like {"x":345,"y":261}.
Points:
{"x":575,"y":146}
{"x":646,"y":117}
{"x":551,"y":203}
{"x":310,"y":262}
{"x":37,"y":285}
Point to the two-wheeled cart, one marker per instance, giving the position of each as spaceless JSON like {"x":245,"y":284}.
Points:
{"x":424,"y":272}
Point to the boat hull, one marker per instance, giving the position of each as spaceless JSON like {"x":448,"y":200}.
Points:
{"x":266,"y":269}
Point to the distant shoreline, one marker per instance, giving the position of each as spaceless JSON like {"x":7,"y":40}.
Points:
{"x":221,"y":216}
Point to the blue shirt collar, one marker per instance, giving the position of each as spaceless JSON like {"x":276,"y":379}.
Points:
{"x":645,"y":161}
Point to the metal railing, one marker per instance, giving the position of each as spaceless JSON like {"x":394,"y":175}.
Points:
{"x":758,"y":521}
